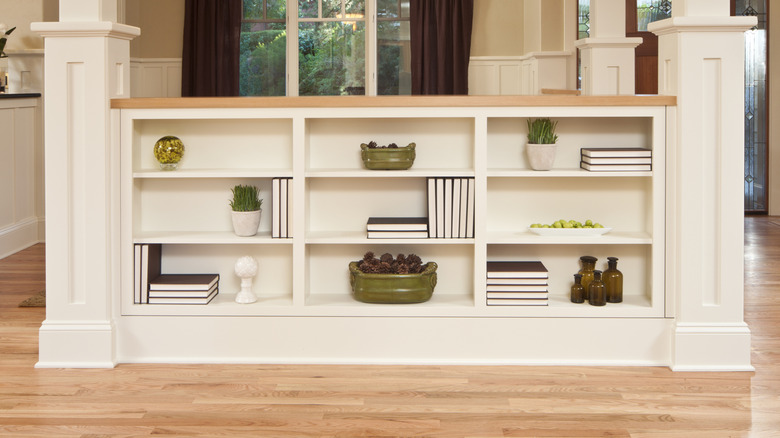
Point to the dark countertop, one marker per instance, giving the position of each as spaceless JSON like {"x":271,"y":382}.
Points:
{"x":18,"y":95}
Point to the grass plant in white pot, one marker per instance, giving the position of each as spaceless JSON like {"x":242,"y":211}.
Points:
{"x":246,"y":210}
{"x":541,"y":146}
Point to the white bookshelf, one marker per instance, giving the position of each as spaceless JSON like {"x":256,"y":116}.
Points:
{"x":306,"y":278}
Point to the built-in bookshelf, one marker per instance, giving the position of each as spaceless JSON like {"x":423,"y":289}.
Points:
{"x":331,"y":197}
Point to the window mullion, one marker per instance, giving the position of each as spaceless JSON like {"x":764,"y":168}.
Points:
{"x":292,"y":48}
{"x":371,"y":47}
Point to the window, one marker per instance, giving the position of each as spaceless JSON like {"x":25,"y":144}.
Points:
{"x":756,"y":105}
{"x":394,"y":51}
{"x":648,"y":11}
{"x":325,"y":47}
{"x":263,"y":48}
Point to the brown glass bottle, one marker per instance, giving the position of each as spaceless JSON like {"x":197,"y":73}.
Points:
{"x":577,"y":291}
{"x":588,"y":265}
{"x":597,"y":293}
{"x":613,"y":281}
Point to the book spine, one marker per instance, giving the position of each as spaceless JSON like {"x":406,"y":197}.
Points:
{"x":288,"y":217}
{"x":283,"y":208}
{"x":470,"y":210}
{"x":431,"y":207}
{"x":439,"y":207}
{"x":447,"y":208}
{"x":276,"y":210}
{"x":137,"y":269}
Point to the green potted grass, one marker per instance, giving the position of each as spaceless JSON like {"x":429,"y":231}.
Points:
{"x":246,"y":210}
{"x":392,"y":280}
{"x":541,"y":146}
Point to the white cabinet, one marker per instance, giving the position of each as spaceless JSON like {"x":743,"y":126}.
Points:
{"x":21,"y":172}
{"x":305,"y":278}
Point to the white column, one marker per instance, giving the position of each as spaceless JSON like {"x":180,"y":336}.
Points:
{"x":607,"y":56}
{"x":87,"y":60}
{"x":701,"y":61}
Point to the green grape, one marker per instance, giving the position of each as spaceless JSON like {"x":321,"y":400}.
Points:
{"x":571,"y":223}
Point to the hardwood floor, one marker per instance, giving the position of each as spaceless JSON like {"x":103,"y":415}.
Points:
{"x":431,"y":401}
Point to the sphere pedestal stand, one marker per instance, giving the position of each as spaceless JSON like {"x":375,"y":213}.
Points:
{"x":246,"y":268}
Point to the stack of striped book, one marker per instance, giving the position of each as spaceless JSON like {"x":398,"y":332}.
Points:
{"x":397,"y":227}
{"x":516,"y":284}
{"x":183,"y":289}
{"x":616,"y":159}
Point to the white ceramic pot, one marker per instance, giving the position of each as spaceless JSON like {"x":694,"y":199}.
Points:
{"x":541,"y":156}
{"x":246,"y":223}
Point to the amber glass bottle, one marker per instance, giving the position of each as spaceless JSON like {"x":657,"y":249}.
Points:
{"x":613,"y":281}
{"x":588,"y":265}
{"x":597,"y":293}
{"x":577,"y":291}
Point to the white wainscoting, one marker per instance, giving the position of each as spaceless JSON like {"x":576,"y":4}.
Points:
{"x":155,"y":77}
{"x":21,"y":174}
{"x":26,"y":71}
{"x":521,"y":75}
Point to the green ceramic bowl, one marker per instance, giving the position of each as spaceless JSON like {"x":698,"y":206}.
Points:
{"x":392,"y":288}
{"x":400,"y":158}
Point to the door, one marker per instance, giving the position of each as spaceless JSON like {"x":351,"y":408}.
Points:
{"x":639,"y":13}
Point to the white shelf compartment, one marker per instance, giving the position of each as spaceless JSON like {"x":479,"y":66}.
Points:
{"x":272,"y":284}
{"x":328,"y":288}
{"x":625,"y":205}
{"x":198,"y":205}
{"x":261,"y":144}
{"x":342,"y":206}
{"x":442,"y":143}
{"x":507,"y":137}
{"x":642,"y":284}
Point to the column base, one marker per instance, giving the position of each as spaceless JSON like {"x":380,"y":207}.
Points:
{"x":76,"y":345}
{"x":700,"y":347}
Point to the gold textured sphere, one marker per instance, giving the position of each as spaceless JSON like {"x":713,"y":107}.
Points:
{"x":168,"y":151}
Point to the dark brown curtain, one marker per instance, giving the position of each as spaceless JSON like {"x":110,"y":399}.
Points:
{"x":210,"y":47}
{"x":441,"y":44}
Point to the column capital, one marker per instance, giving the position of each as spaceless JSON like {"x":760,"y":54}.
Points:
{"x":613,"y":43}
{"x":85,"y":28}
{"x":702,"y":24}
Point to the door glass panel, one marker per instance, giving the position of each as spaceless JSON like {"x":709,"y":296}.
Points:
{"x":394,"y":57}
{"x":648,"y":11}
{"x":263,"y":49}
{"x":332,"y":58}
{"x":755,"y":106}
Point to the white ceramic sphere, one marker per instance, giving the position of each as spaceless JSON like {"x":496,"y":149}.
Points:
{"x":246,"y":266}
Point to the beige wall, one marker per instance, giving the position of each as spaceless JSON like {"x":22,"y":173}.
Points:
{"x":497,"y":28}
{"x":162,"y":27}
{"x":517,"y":27}
{"x":552,"y":30}
{"x":21,"y":14}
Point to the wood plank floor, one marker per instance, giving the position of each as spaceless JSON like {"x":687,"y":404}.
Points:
{"x":383,"y":401}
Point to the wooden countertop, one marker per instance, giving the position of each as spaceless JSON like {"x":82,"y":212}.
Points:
{"x":391,"y":101}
